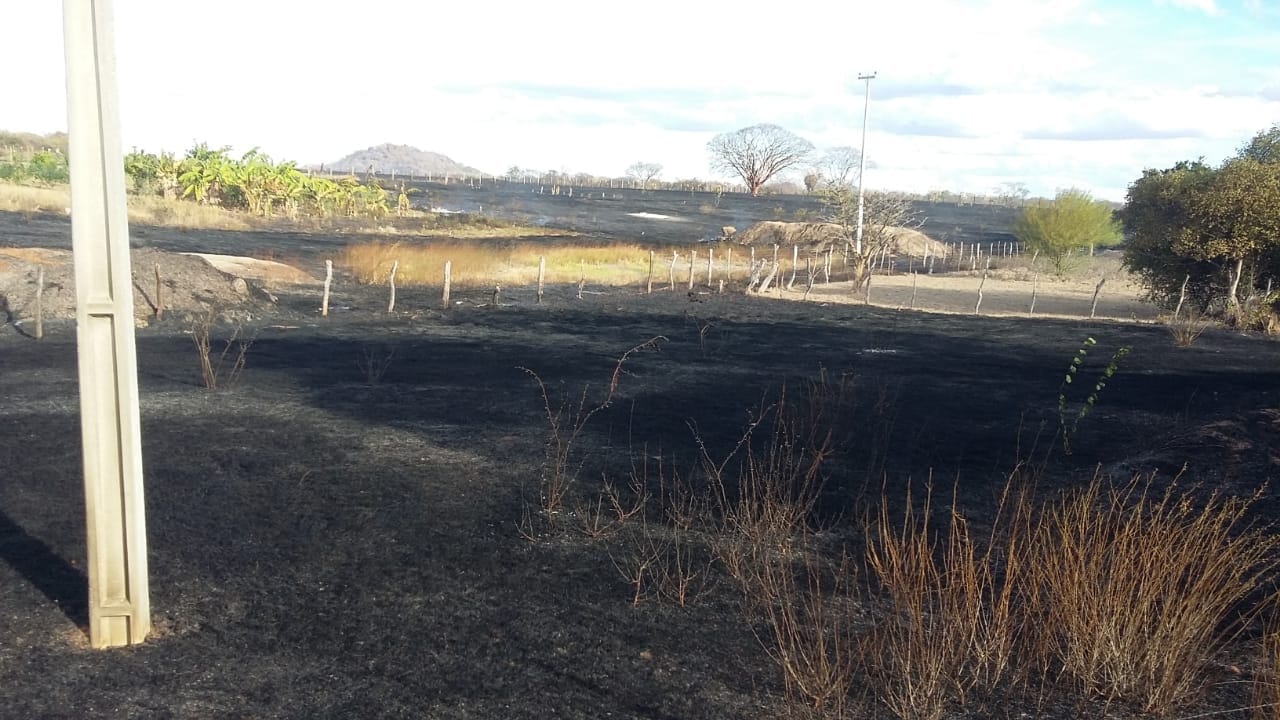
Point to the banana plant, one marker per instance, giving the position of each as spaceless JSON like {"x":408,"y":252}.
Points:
{"x":204,"y":174}
{"x":288,"y":186}
{"x":323,"y":195}
{"x":253,"y":180}
{"x":402,"y":200}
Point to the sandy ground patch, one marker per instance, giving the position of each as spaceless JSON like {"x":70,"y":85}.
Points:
{"x":1002,"y":295}
{"x":255,"y":269}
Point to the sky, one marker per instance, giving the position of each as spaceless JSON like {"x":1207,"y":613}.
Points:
{"x":968,"y":95}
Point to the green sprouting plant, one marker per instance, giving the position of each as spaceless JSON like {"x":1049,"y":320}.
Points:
{"x":1068,"y":421}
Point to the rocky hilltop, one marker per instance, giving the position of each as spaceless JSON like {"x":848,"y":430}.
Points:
{"x":402,"y":160}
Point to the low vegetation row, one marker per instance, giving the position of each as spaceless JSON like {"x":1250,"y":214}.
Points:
{"x":253,"y":183}
{"x":1117,"y":594}
{"x":1209,"y":237}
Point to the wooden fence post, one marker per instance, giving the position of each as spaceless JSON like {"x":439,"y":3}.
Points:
{"x":1093,"y":308}
{"x":982,"y":282}
{"x":795,"y":260}
{"x":693,"y":260}
{"x":648,"y":288}
{"x":159,"y":295}
{"x":582,"y":277}
{"x":391,"y":303}
{"x":542,"y":275}
{"x":711,"y":256}
{"x":448,"y":282}
{"x":328,"y":280}
{"x":914,"y":278}
{"x":671,"y":271}
{"x":40,"y":302}
{"x":764,"y":285}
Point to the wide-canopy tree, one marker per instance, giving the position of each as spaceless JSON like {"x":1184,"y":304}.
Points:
{"x":757,"y":153}
{"x":1073,"y":221}
{"x":1215,"y":229}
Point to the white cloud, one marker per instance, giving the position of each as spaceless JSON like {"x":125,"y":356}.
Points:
{"x":1045,"y":93}
{"x":1209,"y":7}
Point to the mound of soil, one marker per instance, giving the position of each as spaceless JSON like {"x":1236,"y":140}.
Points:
{"x":188,"y":283}
{"x":819,"y":236}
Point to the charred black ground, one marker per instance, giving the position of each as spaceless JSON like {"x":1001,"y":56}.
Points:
{"x":323,"y":546}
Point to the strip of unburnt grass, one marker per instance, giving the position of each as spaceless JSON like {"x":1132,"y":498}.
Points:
{"x":484,"y":262}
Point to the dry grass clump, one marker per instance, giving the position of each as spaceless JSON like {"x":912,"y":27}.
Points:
{"x":760,"y":500}
{"x":36,"y":256}
{"x":813,"y":619}
{"x":567,"y":420}
{"x":28,"y":199}
{"x":953,"y":621}
{"x":155,"y":210}
{"x":1113,"y":592}
{"x":479,"y":264}
{"x":144,"y":210}
{"x":1186,"y":328}
{"x":1266,"y":681}
{"x":1130,"y":590}
{"x":220,"y":362}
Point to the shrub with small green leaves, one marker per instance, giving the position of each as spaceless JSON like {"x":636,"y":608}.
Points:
{"x":1069,"y":420}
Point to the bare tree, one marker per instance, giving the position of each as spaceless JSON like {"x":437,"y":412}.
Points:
{"x":837,"y":166}
{"x":1012,"y":194}
{"x":644,"y":173}
{"x":757,"y":153}
{"x":884,"y":215}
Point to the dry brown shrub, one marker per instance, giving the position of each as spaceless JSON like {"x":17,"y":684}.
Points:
{"x":1266,"y":680}
{"x":953,"y":620}
{"x":1186,"y":328}
{"x":812,"y":623}
{"x":220,"y":361}
{"x":1132,"y":589}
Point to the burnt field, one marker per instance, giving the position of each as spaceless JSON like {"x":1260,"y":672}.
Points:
{"x":356,"y":525}
{"x":693,"y":216}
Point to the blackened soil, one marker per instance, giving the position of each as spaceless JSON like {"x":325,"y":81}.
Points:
{"x":327,"y":544}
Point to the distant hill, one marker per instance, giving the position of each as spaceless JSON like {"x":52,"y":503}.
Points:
{"x":402,"y":160}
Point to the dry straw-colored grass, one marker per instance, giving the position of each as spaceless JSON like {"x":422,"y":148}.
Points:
{"x":477,"y":264}
{"x":26,"y":199}
{"x":162,"y":212}
{"x":36,"y":256}
{"x":143,"y":210}
{"x":953,"y":620}
{"x":1131,"y":589}
{"x":1266,"y":681}
{"x":148,"y":210}
{"x":1186,"y":328}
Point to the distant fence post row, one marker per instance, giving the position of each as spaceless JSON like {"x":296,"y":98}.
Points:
{"x":769,"y":272}
{"x":567,"y":181}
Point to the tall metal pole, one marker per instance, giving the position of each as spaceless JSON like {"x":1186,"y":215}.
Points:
{"x":862,"y":158}
{"x":119,"y":597}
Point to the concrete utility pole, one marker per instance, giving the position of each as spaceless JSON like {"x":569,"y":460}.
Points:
{"x":119,"y":599}
{"x":862,"y":158}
